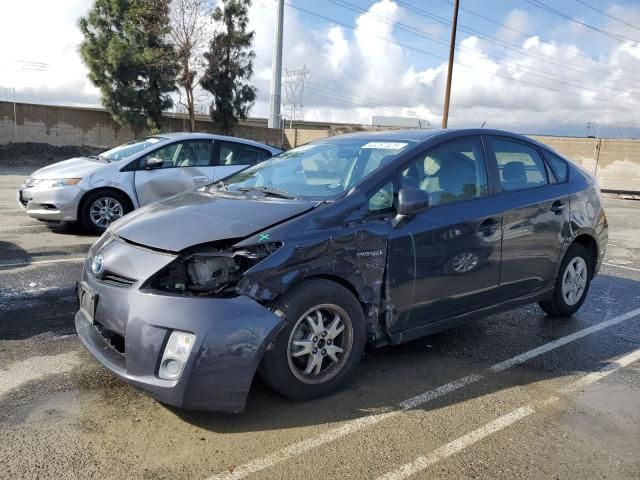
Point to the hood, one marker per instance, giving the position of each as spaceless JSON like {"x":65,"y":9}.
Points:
{"x":195,"y":217}
{"x":80,"y":167}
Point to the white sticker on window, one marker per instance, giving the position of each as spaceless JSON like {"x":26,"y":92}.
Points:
{"x":385,"y":145}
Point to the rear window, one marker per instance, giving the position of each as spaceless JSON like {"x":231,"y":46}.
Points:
{"x":558,"y":166}
{"x":232,"y":153}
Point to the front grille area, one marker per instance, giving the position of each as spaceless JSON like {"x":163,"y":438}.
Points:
{"x":116,"y":341}
{"x":111,"y":278}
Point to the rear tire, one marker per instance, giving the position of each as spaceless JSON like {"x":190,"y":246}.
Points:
{"x":101,"y":208}
{"x":320,"y":347}
{"x":572,"y":283}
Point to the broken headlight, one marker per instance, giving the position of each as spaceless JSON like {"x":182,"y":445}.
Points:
{"x":209,"y":270}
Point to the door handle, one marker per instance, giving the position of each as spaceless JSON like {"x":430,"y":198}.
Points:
{"x":558,"y":206}
{"x":200,"y":179}
{"x":488,"y":227}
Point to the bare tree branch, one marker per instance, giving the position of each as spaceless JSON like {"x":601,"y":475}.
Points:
{"x":192,"y":27}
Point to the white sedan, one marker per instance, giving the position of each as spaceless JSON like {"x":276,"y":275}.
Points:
{"x":98,"y":190}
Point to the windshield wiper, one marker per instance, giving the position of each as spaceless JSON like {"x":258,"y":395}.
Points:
{"x":274,"y":192}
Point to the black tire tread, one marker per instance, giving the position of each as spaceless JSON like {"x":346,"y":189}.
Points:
{"x":555,"y":306}
{"x":274,"y":368}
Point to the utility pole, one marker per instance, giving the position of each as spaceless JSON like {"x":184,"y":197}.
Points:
{"x":588,"y":128}
{"x":452,"y":49}
{"x":15,"y":118}
{"x":276,"y":70}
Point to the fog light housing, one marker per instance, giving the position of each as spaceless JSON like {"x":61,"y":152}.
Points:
{"x":176,"y":354}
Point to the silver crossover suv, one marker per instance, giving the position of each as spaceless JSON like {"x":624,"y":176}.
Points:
{"x":97,"y":190}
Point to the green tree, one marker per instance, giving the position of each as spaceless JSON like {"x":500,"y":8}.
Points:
{"x":131,"y":59}
{"x":230,"y":65}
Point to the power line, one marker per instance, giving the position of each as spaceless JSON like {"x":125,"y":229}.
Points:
{"x":548,"y":8}
{"x":355,"y":100}
{"x":526,"y":69}
{"x":550,"y":59}
{"x":606,"y":14}
{"x":424,"y":52}
{"x":527,"y":34}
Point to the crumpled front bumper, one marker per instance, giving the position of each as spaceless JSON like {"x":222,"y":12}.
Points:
{"x":231,"y":333}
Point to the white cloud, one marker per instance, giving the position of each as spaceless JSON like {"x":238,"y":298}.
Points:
{"x":355,"y":73}
{"x":336,"y":49}
{"x":516,"y":21}
{"x":39,"y":57}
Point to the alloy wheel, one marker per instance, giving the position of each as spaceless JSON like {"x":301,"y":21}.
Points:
{"x":104,"y":211}
{"x":574,"y":280}
{"x":320,"y":343}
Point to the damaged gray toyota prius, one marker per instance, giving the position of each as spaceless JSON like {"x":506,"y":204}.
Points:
{"x":291,"y":266}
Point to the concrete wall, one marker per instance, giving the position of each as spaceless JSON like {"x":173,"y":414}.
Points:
{"x":95,"y":127}
{"x":618,"y":161}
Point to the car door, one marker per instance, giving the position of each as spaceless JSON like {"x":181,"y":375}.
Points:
{"x":536,"y":216}
{"x":185,"y":165}
{"x":231,"y":157}
{"x":446,"y":261}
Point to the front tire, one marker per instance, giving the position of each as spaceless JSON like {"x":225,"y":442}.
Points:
{"x":572,"y":284}
{"x":321,"y":345}
{"x":101,"y":208}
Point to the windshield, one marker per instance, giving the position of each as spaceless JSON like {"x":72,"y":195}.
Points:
{"x":321,"y":170}
{"x":125,"y":151}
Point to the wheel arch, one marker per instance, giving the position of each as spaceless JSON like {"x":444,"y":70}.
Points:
{"x":591,"y":245}
{"x":83,"y":200}
{"x":369,"y":310}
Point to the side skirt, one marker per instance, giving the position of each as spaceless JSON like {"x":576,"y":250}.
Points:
{"x":447,"y":323}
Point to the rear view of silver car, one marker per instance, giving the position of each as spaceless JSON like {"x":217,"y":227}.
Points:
{"x":96,"y":191}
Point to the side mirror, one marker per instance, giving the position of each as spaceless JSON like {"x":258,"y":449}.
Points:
{"x":411,"y":201}
{"x":153,"y":162}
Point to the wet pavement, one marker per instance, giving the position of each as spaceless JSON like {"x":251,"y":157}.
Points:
{"x":446,"y":406}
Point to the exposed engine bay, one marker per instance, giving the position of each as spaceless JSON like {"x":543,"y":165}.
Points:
{"x":206,"y":270}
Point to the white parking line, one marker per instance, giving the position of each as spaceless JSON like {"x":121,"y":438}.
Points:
{"x":353,"y":426}
{"x":13,"y":227}
{"x":35,"y":368}
{"x":40,"y":262}
{"x":502,"y":422}
{"x":621,"y":266}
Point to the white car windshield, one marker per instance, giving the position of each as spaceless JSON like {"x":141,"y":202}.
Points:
{"x":125,"y":151}
{"x":320,"y":170}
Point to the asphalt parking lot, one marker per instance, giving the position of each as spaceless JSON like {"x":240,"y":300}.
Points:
{"x":516,"y":395}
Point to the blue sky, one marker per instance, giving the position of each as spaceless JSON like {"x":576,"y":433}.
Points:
{"x":542,"y":23}
{"x":553,"y":79}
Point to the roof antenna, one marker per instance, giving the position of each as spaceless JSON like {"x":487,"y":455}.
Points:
{"x":483,"y":124}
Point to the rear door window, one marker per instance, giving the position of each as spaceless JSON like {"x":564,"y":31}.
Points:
{"x":520,"y":166}
{"x":232,"y":153}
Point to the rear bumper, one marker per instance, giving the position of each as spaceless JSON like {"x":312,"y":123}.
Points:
{"x":231,"y":333}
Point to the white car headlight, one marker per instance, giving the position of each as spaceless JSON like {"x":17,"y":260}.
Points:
{"x":176,"y":354}
{"x":60,"y":182}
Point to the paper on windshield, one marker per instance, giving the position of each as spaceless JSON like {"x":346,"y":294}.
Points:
{"x":385,"y":145}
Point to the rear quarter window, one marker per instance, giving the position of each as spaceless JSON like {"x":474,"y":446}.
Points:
{"x":558,"y":166}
